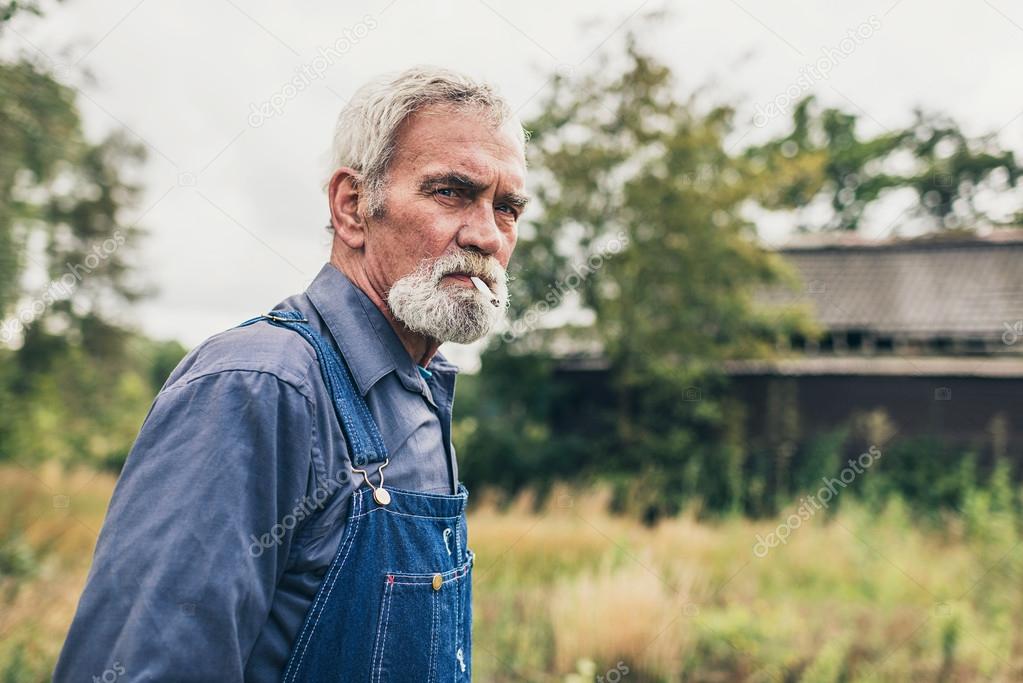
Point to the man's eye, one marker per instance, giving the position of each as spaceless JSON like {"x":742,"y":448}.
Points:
{"x":509,"y":209}
{"x":446,"y":192}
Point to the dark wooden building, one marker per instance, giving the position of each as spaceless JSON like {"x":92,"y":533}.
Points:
{"x":923,"y":337}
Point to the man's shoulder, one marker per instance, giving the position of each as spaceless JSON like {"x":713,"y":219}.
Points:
{"x":256,"y":348}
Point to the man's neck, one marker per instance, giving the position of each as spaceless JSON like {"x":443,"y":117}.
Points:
{"x":420,"y":348}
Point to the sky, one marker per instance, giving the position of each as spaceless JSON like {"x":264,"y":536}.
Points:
{"x":233,"y":203}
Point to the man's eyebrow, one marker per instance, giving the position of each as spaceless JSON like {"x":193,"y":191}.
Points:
{"x":515,"y":199}
{"x":451,"y":178}
{"x":470,"y":185}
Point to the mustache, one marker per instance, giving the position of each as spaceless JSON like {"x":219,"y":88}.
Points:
{"x":487,"y":268}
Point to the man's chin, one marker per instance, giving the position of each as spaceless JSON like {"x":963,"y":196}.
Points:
{"x":454,"y":313}
{"x":461,"y":333}
{"x":469,"y":338}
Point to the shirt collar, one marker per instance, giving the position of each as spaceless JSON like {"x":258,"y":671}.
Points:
{"x":370,"y":346}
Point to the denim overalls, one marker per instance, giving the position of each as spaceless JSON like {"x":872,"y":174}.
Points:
{"x":396,"y":603}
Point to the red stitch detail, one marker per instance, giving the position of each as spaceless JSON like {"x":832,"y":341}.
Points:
{"x":390,"y":578}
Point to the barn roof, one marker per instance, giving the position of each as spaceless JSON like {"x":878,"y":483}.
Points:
{"x":963,"y":287}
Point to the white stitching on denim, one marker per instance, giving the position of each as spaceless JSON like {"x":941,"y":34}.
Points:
{"x":376,"y":638}
{"x":458,"y":540}
{"x":427,"y":494}
{"x":405,"y":514}
{"x":447,"y":577}
{"x":453,"y":579}
{"x":458,"y":620}
{"x":432,"y":669}
{"x":357,"y":501}
{"x":467,"y":639}
{"x":385,"y":622}
{"x":351,"y":542}
{"x":425,"y":578}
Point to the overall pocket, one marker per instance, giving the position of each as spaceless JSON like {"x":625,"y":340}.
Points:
{"x":424,"y":628}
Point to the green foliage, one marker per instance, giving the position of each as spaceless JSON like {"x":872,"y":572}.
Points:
{"x":39,"y":130}
{"x":11,"y":7}
{"x":76,"y":408}
{"x":67,"y":195}
{"x":644,"y":185}
{"x":508,"y":443}
{"x":825,"y":158}
{"x":17,"y":559}
{"x":642,"y":223}
{"x":829,"y":666}
{"x":928,"y":473}
{"x":75,"y":383}
{"x":776,"y":475}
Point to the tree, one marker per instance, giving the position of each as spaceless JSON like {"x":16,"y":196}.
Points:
{"x":74,"y":380}
{"x":825,"y":159}
{"x":642,"y":225}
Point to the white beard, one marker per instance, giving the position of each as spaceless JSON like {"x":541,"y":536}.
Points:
{"x":450,"y":311}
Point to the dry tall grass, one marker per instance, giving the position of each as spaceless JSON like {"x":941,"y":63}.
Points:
{"x":571,"y":593}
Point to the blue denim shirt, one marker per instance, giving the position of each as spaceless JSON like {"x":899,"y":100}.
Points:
{"x":232,"y":501}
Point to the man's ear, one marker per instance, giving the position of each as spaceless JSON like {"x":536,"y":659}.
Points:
{"x":344,"y":193}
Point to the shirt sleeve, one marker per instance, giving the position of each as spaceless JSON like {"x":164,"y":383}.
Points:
{"x":196,"y":535}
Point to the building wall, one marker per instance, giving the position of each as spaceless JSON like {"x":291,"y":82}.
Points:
{"x":959,"y":410}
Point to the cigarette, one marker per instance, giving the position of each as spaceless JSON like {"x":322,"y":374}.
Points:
{"x":482,"y":286}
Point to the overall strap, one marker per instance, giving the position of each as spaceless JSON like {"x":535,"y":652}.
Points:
{"x":364,"y":440}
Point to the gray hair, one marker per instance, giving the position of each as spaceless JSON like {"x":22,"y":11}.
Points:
{"x":367,"y":126}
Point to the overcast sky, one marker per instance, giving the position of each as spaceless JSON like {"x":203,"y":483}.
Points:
{"x":233,"y":200}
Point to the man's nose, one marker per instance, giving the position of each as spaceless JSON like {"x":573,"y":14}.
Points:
{"x":481,"y":230}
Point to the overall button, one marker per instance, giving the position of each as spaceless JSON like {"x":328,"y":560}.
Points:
{"x":437,"y":582}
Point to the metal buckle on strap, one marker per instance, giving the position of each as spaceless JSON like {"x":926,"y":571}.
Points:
{"x":380,"y":494}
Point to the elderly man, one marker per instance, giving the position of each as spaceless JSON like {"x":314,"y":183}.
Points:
{"x":255,"y":533}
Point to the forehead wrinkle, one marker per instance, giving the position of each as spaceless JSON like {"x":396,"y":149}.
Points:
{"x":429,"y":136}
{"x":443,"y":143}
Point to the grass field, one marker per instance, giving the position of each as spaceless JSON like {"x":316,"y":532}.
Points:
{"x":571,"y":593}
